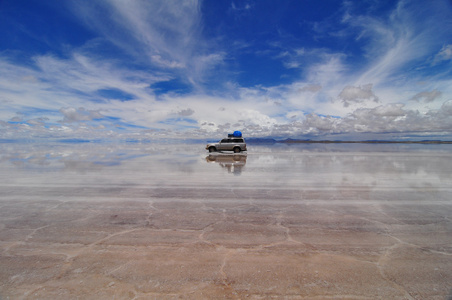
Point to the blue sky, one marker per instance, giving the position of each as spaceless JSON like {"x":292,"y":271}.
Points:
{"x":167,"y":69}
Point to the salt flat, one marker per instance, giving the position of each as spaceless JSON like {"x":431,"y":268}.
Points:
{"x":169,"y":221}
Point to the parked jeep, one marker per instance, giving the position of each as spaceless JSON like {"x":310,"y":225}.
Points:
{"x":236,"y":144}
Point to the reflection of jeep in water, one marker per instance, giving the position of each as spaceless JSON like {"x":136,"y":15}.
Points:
{"x":235,"y":142}
{"x":234,"y":163}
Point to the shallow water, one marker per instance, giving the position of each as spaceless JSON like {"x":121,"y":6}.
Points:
{"x":350,"y":221}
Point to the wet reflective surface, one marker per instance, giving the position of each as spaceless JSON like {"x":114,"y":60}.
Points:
{"x":166,"y":221}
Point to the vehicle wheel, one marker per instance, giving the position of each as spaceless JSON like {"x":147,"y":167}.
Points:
{"x":236,"y":150}
{"x":212,"y":149}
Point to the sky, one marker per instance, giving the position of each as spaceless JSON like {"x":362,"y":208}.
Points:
{"x":311,"y":69}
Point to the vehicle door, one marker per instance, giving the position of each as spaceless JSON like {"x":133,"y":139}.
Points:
{"x":223,"y":145}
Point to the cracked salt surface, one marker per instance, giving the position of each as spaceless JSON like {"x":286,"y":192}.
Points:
{"x":167,"y":221}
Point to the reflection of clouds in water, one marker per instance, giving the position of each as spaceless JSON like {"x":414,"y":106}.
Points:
{"x":94,"y":157}
{"x":350,"y":148}
{"x":81,"y":166}
{"x":77,"y":157}
{"x":181,"y":164}
{"x":359,"y":158}
{"x":289,"y":165}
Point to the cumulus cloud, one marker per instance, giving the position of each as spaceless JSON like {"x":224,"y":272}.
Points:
{"x":319,"y":123}
{"x":186,"y":112}
{"x":77,"y":115}
{"x":446,"y":108}
{"x":389,"y":118}
{"x":352,"y":94}
{"x":313,"y":88}
{"x":389,"y":110}
{"x":427,"y":96}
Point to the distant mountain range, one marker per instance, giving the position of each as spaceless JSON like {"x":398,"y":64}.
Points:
{"x":299,"y":141}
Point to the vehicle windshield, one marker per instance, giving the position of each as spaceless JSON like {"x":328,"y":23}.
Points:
{"x":232,"y":141}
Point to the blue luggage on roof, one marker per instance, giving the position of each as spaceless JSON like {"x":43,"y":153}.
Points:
{"x":235,"y":134}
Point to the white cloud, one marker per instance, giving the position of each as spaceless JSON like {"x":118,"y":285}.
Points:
{"x":427,"y":96}
{"x":353,"y":94}
{"x":240,"y":6}
{"x":157,"y":59}
{"x":444,"y":55}
{"x":393,"y":43}
{"x":186,"y":112}
{"x":319,"y":123}
{"x":162,"y":34}
{"x":389,"y":110}
{"x":76,"y":115}
{"x":47,"y":92}
{"x":313,"y":88}
{"x":446,"y":108}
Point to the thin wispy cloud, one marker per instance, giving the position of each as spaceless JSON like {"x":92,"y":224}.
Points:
{"x":197,"y":68}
